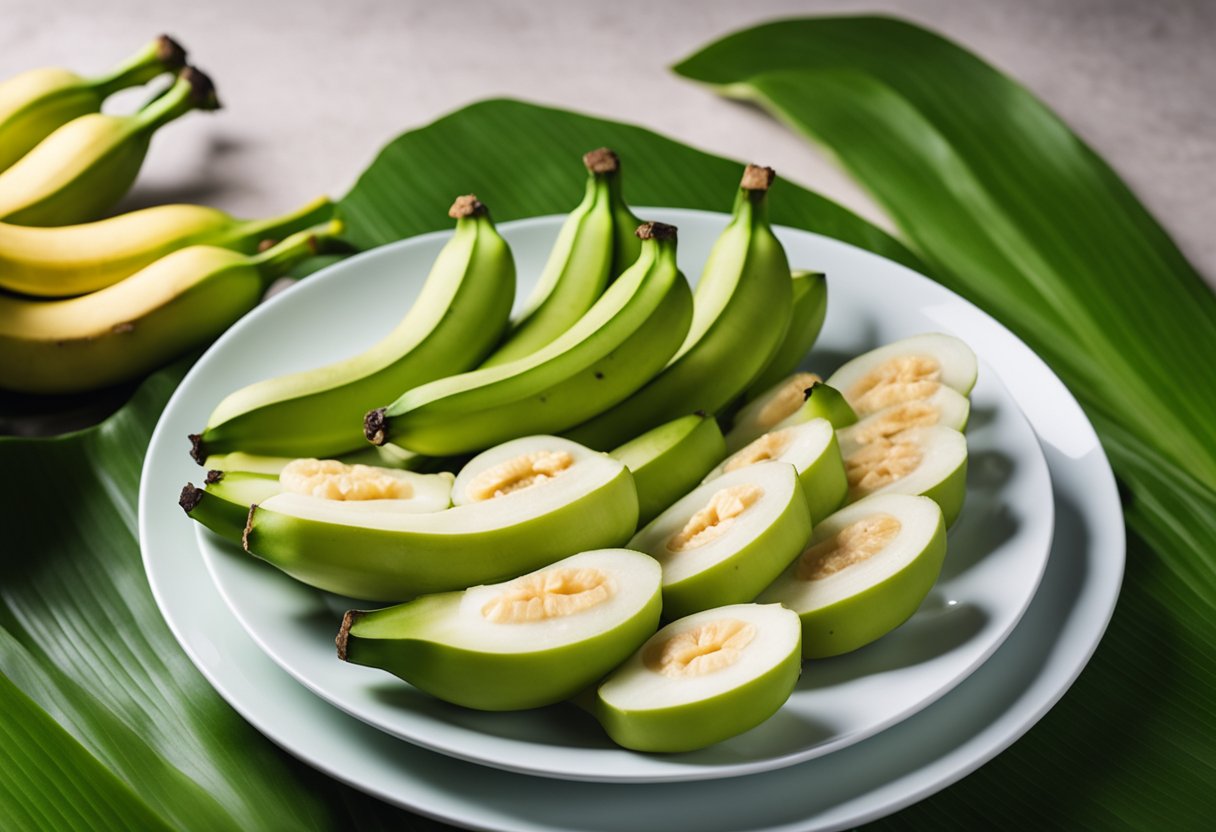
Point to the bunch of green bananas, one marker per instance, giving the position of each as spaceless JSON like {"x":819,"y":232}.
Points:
{"x":87,"y":302}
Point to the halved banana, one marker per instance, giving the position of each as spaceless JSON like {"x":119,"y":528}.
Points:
{"x":813,"y":449}
{"x":929,"y":461}
{"x":797,"y":399}
{"x":866,"y":570}
{"x":222,"y":504}
{"x":531,"y":641}
{"x":906,"y":370}
{"x":520,"y":523}
{"x":728,"y":539}
{"x":703,"y":679}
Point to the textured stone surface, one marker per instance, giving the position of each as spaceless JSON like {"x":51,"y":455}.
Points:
{"x":311,"y":93}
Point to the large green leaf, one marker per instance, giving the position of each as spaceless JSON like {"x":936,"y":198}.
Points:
{"x":1011,"y":209}
{"x":80,"y":635}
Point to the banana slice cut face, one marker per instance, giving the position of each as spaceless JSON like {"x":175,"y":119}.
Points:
{"x":930,"y":461}
{"x":728,"y":539}
{"x":222,"y":504}
{"x":520,"y":506}
{"x":907,"y":370}
{"x":799,"y":398}
{"x":946,"y":407}
{"x":524,"y":643}
{"x":703,"y":679}
{"x":812,"y":448}
{"x":668,"y":461}
{"x":865,"y":571}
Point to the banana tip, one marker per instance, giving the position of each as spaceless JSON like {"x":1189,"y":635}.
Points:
{"x":202,"y":89}
{"x":196,"y":448}
{"x":190,"y":497}
{"x":170,"y":53}
{"x":375,"y":426}
{"x":466,"y":206}
{"x":213,"y":477}
{"x":757,"y":178}
{"x":348,"y":621}
{"x":601,"y":160}
{"x":656,"y":231}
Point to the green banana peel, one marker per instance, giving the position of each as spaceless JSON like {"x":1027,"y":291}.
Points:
{"x":669,"y":461}
{"x":807,"y":314}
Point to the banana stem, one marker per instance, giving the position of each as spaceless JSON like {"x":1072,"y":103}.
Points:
{"x":161,"y":55}
{"x":274,"y":229}
{"x":192,"y":90}
{"x":277,"y":260}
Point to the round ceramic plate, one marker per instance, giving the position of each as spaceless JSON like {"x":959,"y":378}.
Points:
{"x":997,"y":551}
{"x":909,"y":761}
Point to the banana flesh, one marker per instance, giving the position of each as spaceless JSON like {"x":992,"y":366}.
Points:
{"x":130,"y":328}
{"x":75,"y":259}
{"x":36,"y":103}
{"x":620,"y":343}
{"x":458,"y":317}
{"x":740,"y":316}
{"x":82,"y":169}
{"x":583,"y":260}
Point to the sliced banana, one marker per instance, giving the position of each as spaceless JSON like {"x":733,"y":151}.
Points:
{"x":800,"y":398}
{"x":726,"y":540}
{"x":523,"y":643}
{"x":329,"y":488}
{"x":929,"y":461}
{"x":703,"y":679}
{"x":866,"y":570}
{"x":907,"y":370}
{"x":946,"y":407}
{"x":812,"y":448}
{"x":515,"y":467}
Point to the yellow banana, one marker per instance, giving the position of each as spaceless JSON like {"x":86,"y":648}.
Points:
{"x":75,"y":259}
{"x":79,"y":171}
{"x":130,"y":328}
{"x":36,"y":103}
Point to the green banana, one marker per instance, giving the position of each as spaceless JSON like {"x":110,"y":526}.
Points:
{"x":740,"y":316}
{"x":584,"y":259}
{"x":669,"y":461}
{"x":79,"y":171}
{"x":623,"y":340}
{"x":75,"y":259}
{"x":459,"y":315}
{"x":36,"y":103}
{"x":123,"y":331}
{"x":810,"y":307}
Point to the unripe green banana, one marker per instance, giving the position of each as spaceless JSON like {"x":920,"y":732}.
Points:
{"x":459,"y":315}
{"x":580,"y":265}
{"x":620,"y":343}
{"x":36,"y":103}
{"x":810,"y":307}
{"x":128,"y":329}
{"x":75,"y":259}
{"x":741,"y":313}
{"x":78,"y":172}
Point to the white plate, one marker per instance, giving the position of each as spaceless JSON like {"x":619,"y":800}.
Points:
{"x":905,"y":763}
{"x":996,"y":552}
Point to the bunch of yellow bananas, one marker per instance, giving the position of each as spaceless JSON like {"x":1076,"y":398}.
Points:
{"x":88,"y":302}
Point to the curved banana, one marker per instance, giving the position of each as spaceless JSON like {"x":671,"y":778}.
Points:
{"x":584,"y":258}
{"x":75,"y":259}
{"x":810,"y":307}
{"x":79,"y":171}
{"x":740,"y":316}
{"x":124,"y":331}
{"x":458,"y":317}
{"x":36,"y":103}
{"x":627,"y":337}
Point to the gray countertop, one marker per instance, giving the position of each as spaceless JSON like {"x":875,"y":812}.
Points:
{"x":312,"y":91}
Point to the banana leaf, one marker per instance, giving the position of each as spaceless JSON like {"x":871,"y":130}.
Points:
{"x":106,"y":719}
{"x":1011,"y":209}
